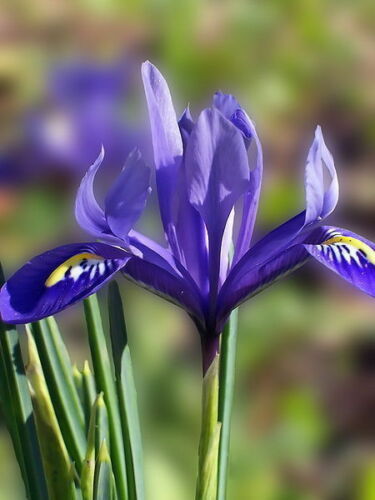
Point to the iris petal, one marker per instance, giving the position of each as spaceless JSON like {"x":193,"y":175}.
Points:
{"x":158,"y":280}
{"x":56,"y":279}
{"x":88,"y":213}
{"x":217,"y":174}
{"x":127,"y":197}
{"x":166,"y":138}
{"x":321,"y":182}
{"x":349,"y":255}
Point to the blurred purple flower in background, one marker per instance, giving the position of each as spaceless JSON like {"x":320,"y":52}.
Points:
{"x":85,"y":104}
{"x":208,"y":176}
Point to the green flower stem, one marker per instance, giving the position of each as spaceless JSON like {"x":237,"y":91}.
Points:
{"x":105,"y":383}
{"x":226,"y":386}
{"x":210,"y":434}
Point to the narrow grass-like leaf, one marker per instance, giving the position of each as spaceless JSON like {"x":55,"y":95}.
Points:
{"x":104,"y":481}
{"x":58,"y":467}
{"x":59,"y":376}
{"x":98,"y":432}
{"x":77,"y":379}
{"x":126,"y":394}
{"x":88,"y":391}
{"x":18,"y":411}
{"x":226,"y":387}
{"x":105,"y":383}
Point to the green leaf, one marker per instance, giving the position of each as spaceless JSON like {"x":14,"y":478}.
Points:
{"x":77,"y":378}
{"x":105,"y":383}
{"x":58,"y":467}
{"x":59,"y":376}
{"x":126,"y":394}
{"x":88,"y":391}
{"x":17,"y":407}
{"x":98,"y":432}
{"x":226,"y":386}
{"x":104,"y":481}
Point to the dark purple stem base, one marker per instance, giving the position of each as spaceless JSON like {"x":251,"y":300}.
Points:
{"x":210,"y":347}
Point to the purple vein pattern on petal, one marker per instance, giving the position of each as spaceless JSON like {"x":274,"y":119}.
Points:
{"x":88,"y":213}
{"x":166,"y":138}
{"x":127,"y":197}
{"x":321,"y":182}
{"x":55,"y":279}
{"x":217,"y":174}
{"x":349,"y":255}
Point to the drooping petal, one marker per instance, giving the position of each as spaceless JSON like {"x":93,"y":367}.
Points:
{"x":321,"y":182}
{"x":248,"y":281}
{"x":269,"y":246}
{"x":217,"y":174}
{"x":56,"y":279}
{"x":150,"y":250}
{"x":166,"y":138}
{"x":349,"y":255}
{"x":89,"y":214}
{"x":126,"y":199}
{"x":175,"y":289}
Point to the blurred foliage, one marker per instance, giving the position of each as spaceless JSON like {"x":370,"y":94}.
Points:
{"x":303,"y":426}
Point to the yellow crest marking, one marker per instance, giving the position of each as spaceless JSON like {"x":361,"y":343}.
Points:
{"x":370,"y":253}
{"x":59,"y":273}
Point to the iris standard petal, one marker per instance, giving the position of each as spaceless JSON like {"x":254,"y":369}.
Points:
{"x":251,"y":197}
{"x":321,"y":182}
{"x":89,"y":214}
{"x":349,"y":255}
{"x":186,"y":124}
{"x":217,"y":174}
{"x":166,"y":138}
{"x":56,"y":279}
{"x":127,"y":197}
{"x":227,"y":104}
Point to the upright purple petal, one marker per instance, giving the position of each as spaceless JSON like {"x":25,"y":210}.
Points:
{"x":321,"y":182}
{"x":166,"y":138}
{"x":89,"y":214}
{"x":217,"y":174}
{"x":56,"y":279}
{"x":349,"y":255}
{"x":232,"y":110}
{"x":227,"y":104}
{"x":127,"y":197}
{"x":251,"y":197}
{"x":186,"y":124}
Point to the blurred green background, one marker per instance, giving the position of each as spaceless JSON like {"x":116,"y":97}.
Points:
{"x":303,"y":424}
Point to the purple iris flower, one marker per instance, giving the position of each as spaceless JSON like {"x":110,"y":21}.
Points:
{"x":208,"y":177}
{"x":81,"y":109}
